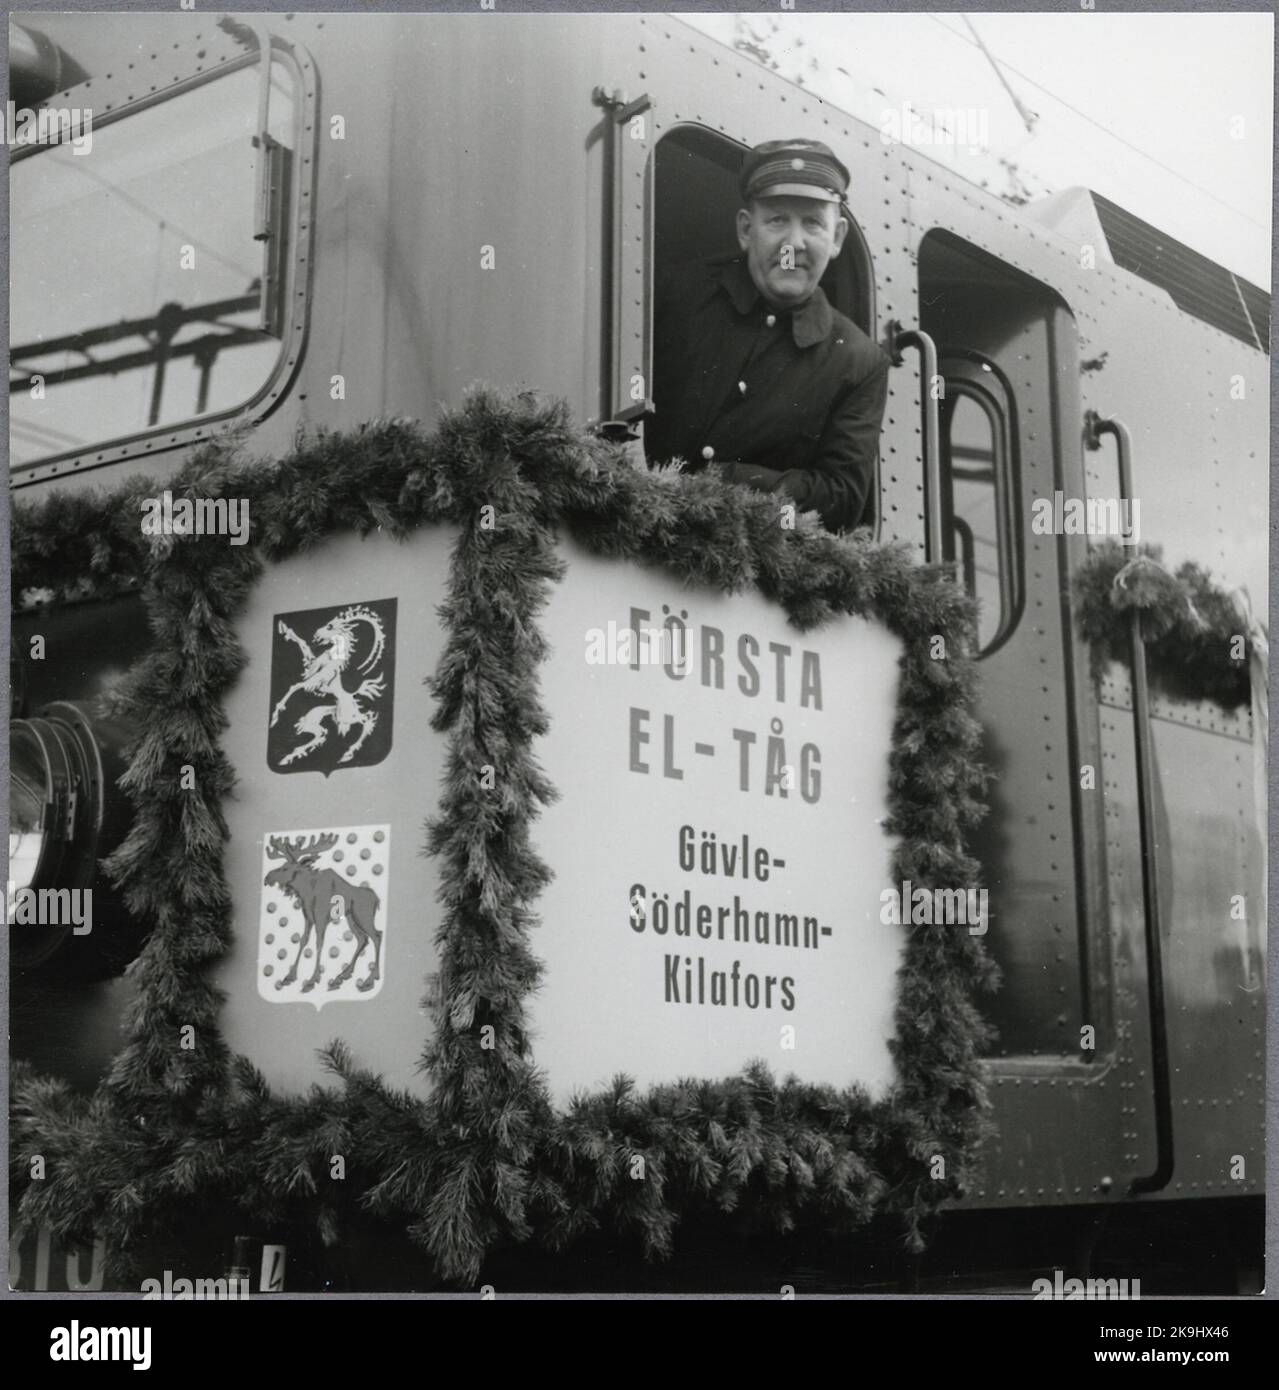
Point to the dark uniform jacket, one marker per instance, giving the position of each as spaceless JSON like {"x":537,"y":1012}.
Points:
{"x":787,"y":401}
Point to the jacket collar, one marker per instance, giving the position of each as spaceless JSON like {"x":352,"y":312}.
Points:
{"x":810,"y":323}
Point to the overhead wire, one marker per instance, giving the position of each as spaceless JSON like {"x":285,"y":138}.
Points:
{"x":1083,"y":115}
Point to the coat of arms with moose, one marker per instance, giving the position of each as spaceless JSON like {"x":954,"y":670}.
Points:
{"x":332,"y":687}
{"x":322,"y":929}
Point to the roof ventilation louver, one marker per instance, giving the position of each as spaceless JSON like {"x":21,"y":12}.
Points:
{"x":1197,"y":285}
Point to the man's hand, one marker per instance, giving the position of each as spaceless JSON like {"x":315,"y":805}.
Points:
{"x":753,"y":475}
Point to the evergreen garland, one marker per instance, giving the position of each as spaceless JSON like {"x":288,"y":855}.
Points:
{"x":1191,"y":626}
{"x":487,"y":1158}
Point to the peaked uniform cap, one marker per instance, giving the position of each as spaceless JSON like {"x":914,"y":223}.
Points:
{"x":799,"y":168}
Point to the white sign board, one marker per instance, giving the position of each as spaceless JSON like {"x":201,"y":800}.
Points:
{"x":718,"y":846}
{"x":335,"y":905}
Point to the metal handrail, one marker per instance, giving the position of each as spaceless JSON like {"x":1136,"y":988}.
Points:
{"x":1160,"y":1064}
{"x":930,"y":428}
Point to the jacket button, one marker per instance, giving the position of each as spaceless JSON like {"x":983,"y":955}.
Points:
{"x":708,"y":453}
{"x":741,"y":386}
{"x":770,"y":321}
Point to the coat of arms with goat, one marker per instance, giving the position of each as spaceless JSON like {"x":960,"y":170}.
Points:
{"x":332,"y":687}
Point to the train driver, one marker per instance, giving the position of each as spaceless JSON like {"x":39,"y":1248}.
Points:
{"x":754,"y":371}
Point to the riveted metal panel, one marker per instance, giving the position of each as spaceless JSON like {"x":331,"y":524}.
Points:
{"x":1204,"y":497}
{"x":1116,"y":693}
{"x":1027,"y":844}
{"x":1196,"y":402}
{"x":1210,"y":863}
{"x":1055,"y":1093}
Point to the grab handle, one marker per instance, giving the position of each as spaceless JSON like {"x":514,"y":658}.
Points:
{"x":1094,"y":428}
{"x":900,"y":338}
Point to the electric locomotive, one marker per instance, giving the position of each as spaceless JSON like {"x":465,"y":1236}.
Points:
{"x":305,"y":221}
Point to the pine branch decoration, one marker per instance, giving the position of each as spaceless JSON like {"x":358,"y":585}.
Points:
{"x":487,"y":1158}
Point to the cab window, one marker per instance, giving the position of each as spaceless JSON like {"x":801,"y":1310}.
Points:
{"x":144,"y":294}
{"x":697,"y":199}
{"x":979,"y":531}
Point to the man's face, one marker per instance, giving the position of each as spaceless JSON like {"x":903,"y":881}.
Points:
{"x":788,"y":243}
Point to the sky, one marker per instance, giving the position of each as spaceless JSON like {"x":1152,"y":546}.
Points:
{"x":1168,"y":115}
